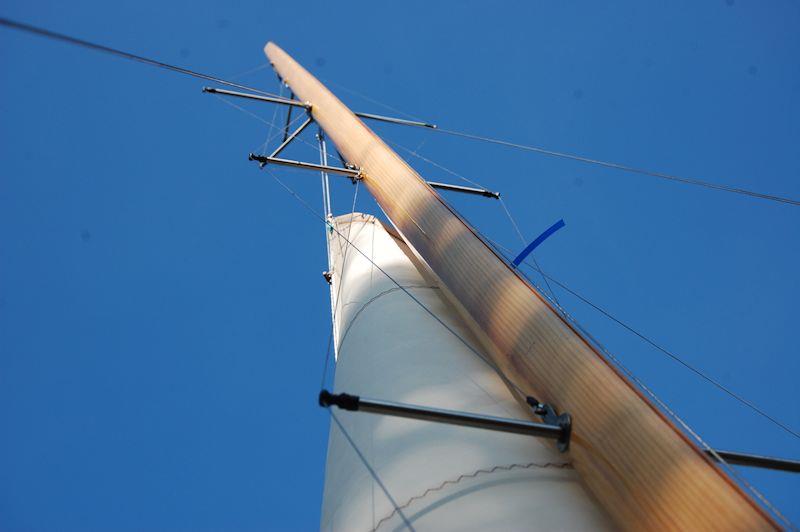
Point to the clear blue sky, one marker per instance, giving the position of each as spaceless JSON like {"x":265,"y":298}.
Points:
{"x":163,"y":319}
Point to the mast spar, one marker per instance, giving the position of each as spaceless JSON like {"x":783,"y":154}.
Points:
{"x":642,"y":468}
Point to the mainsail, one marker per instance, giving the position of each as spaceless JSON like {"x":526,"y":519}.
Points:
{"x":436,"y":477}
{"x":644,"y":471}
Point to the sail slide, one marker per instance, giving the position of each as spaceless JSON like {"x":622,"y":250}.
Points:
{"x":641,"y":468}
{"x":440,"y":477}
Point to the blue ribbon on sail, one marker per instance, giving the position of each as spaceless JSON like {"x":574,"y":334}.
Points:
{"x":538,"y":240}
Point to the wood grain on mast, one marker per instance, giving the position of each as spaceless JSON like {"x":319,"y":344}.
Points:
{"x":642,"y":469}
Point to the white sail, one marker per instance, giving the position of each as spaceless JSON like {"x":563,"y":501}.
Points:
{"x":442,"y":477}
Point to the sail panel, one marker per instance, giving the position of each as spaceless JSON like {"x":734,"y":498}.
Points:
{"x":443,"y":477}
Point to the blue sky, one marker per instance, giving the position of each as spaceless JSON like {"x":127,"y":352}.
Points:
{"x":163,"y":319}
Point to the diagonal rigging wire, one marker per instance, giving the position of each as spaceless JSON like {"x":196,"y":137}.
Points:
{"x":87,"y":44}
{"x":710,"y":450}
{"x":663,"y":405}
{"x":340,"y":282}
{"x":370,"y":100}
{"x":514,"y":224}
{"x":260,"y":119}
{"x":583,"y":332}
{"x":547,"y":278}
{"x":659,"y":347}
{"x":371,"y":470}
{"x":623,"y":167}
{"x":589,"y":338}
{"x":524,"y":242}
{"x":588,"y":160}
{"x":416,"y":154}
{"x":119,"y":53}
{"x":461,"y":339}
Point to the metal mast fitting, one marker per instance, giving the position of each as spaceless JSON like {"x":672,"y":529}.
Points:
{"x":282,"y":101}
{"x":528,"y":428}
{"x":351,"y":171}
{"x":353,"y":174}
{"x":556,"y":427}
{"x":290,"y":138}
{"x":298,"y":103}
{"x":755,"y":460}
{"x":465,"y":190}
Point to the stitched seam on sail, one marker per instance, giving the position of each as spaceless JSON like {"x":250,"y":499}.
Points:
{"x":474,"y":474}
{"x":385,"y":292}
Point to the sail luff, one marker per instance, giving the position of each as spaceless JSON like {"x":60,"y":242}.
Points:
{"x":644,"y":471}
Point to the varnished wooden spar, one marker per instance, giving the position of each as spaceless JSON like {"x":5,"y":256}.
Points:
{"x":643,"y":470}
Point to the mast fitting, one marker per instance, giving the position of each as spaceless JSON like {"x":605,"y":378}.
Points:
{"x":550,"y":416}
{"x":354,"y":403}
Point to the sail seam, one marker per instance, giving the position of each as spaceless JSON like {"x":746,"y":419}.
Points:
{"x":474,"y":474}
{"x":373,"y":299}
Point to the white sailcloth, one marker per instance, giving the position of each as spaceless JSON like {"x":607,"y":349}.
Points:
{"x":441,"y":477}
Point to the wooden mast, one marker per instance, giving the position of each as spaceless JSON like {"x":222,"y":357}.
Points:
{"x":644,"y":471}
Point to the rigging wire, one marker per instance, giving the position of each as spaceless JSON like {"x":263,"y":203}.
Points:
{"x":662,"y":349}
{"x":371,"y":100}
{"x":564,"y":155}
{"x":587,"y":160}
{"x":120,"y":53}
{"x":371,"y":470}
{"x":583,"y":331}
{"x":548,"y":278}
{"x":251,"y":71}
{"x":622,"y":167}
{"x":691,"y":181}
{"x":260,"y":119}
{"x":468,"y":345}
{"x":589,"y":338}
{"x":663,"y":405}
{"x":336,"y":302}
{"x":503,"y":204}
{"x":504,"y":251}
{"x":274,"y":117}
{"x":416,"y":154}
{"x":532,"y":256}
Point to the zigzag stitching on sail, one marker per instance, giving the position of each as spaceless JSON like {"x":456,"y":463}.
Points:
{"x":474,"y":474}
